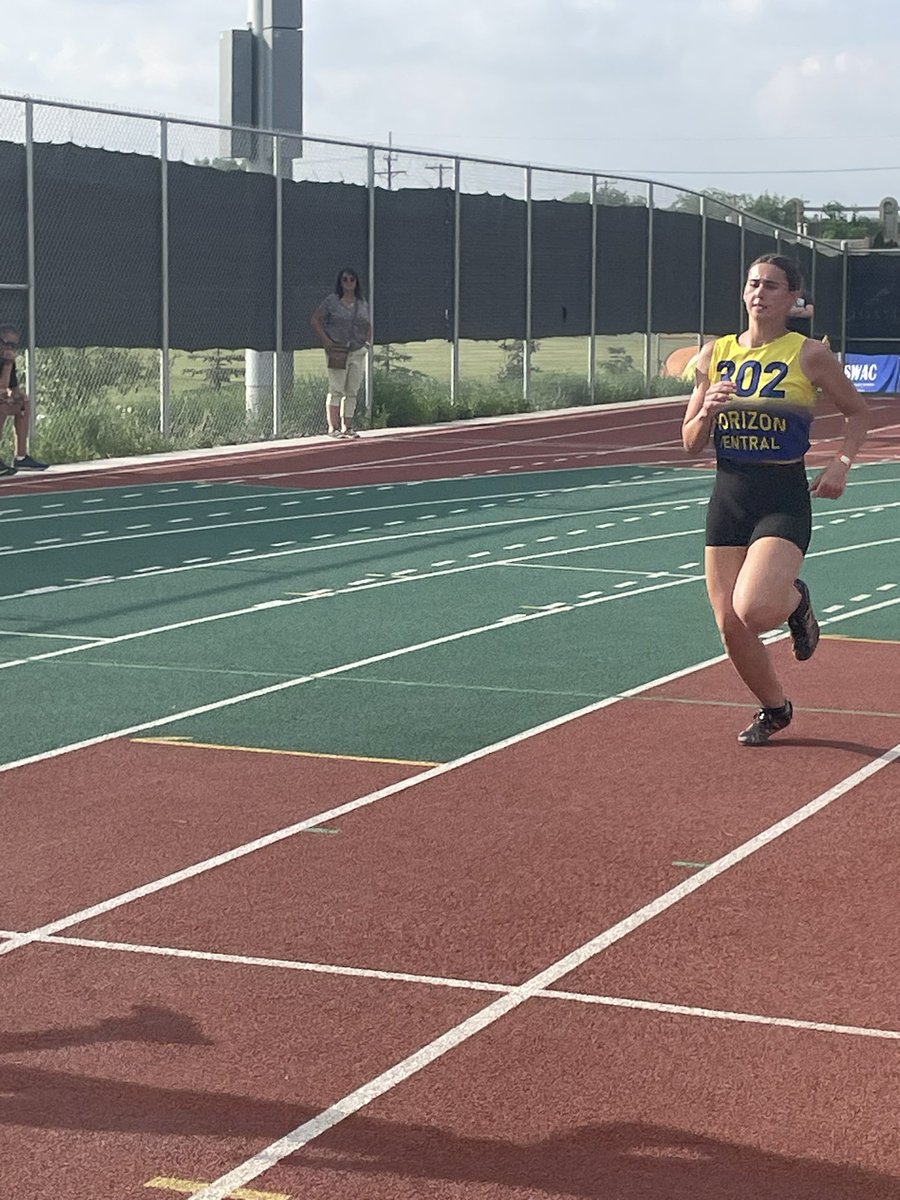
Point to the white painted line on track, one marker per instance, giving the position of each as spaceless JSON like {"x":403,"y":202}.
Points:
{"x":403,"y":785}
{"x":362,"y":1096}
{"x":59,"y":637}
{"x":265,"y":605}
{"x":321,"y":818}
{"x":471,"y":985}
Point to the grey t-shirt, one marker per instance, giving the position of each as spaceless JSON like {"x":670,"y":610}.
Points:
{"x":345,"y":324}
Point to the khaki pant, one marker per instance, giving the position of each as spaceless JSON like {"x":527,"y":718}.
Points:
{"x":343,"y":385}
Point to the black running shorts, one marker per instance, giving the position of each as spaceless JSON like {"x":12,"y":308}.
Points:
{"x":750,"y":502}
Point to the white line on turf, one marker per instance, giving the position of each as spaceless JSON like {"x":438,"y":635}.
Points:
{"x":364,"y":801}
{"x":321,"y":818}
{"x":62,"y":637}
{"x":267,"y":605}
{"x":362,"y":1096}
{"x":493,"y":626}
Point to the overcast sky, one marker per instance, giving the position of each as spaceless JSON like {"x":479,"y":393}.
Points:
{"x":792,"y":97}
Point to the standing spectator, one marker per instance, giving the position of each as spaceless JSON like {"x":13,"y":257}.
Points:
{"x":14,"y":403}
{"x":344,"y":327}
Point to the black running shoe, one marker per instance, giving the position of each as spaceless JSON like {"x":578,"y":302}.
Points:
{"x":766,"y":722}
{"x":803,"y":625}
{"x":5,"y":469}
{"x":27,"y":463}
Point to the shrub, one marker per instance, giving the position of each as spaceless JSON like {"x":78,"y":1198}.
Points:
{"x":559,"y":390}
{"x":94,"y":428}
{"x":669,"y":385}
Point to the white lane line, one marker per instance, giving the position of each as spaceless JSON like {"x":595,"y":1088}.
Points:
{"x":60,"y":637}
{"x":718,"y":1014}
{"x":284,"y":685}
{"x":264,"y":605}
{"x":471,"y":985}
{"x":362,"y":1096}
{"x":321,"y":818}
{"x":525,"y":560}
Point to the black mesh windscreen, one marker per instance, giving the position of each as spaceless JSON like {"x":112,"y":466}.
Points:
{"x":221,"y":258}
{"x":621,"y":269}
{"x":755,"y":246}
{"x":13,"y":218}
{"x":414,"y":264}
{"x":326,"y":228}
{"x":873,"y":297}
{"x":493,"y":250}
{"x":98,"y":238}
{"x":561,"y":268}
{"x":676,"y":272}
{"x":827,"y":297}
{"x":724,"y":278}
{"x":804,"y":256}
{"x":97,"y":247}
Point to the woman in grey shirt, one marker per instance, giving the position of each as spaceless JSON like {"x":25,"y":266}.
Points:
{"x":342,"y":324}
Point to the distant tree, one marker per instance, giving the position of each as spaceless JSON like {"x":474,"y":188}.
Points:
{"x":607,"y":195}
{"x":389,"y":358}
{"x":514,"y":364}
{"x":619,"y":362}
{"x":780,"y":210}
{"x":219,"y":368}
{"x":71,"y":377}
{"x":787,"y":212}
{"x":840,"y":222}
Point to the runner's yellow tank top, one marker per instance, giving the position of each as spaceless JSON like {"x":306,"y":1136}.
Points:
{"x":769,"y":418}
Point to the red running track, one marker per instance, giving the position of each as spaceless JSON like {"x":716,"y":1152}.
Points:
{"x":125,"y":1067}
{"x":633,"y":435}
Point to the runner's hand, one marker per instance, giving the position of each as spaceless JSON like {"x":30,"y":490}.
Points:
{"x":718,"y":394}
{"x":831,"y":483}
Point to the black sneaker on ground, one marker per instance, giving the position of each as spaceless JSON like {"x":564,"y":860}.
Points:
{"x":803,"y":625}
{"x":766,"y":722}
{"x":27,"y":463}
{"x":6,"y":470}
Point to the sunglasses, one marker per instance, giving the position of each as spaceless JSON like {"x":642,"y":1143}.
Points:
{"x":11,"y":345}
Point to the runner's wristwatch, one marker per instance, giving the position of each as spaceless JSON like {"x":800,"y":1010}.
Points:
{"x":848,"y":462}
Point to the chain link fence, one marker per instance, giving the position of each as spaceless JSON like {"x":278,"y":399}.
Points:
{"x":507,"y":303}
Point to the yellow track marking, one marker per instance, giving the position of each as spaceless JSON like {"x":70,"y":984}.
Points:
{"x":190,"y":1186}
{"x":176,"y":741}
{"x":843,"y":637}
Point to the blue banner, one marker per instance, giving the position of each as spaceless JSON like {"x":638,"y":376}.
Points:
{"x":873,"y":372}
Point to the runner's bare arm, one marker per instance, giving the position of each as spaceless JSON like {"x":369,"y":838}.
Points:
{"x":707,"y":399}
{"x":822,"y":369}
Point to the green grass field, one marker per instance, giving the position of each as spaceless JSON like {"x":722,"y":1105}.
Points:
{"x":477,"y":360}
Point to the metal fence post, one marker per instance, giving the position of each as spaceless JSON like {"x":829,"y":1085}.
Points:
{"x":370,"y":357}
{"x":165,"y":377}
{"x":845,"y":284}
{"x":278,"y":380}
{"x":649,"y":285}
{"x":31,"y":371}
{"x":704,"y":225}
{"x":529,"y":274}
{"x":592,"y":337}
{"x":457,"y":259}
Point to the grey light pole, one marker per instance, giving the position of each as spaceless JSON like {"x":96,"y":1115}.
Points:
{"x":261,"y":85}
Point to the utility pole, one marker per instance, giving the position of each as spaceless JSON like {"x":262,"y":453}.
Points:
{"x":261,"y":85}
{"x":389,"y":159}
{"x":440,"y":168}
